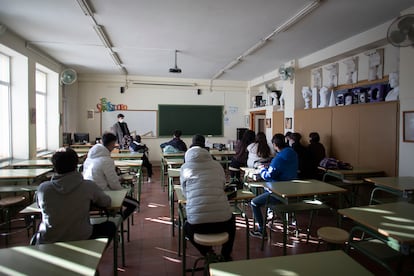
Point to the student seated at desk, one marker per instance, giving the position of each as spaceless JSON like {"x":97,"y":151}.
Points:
{"x":259,"y":151}
{"x":100,"y":167}
{"x":303,"y":156}
{"x":283,"y":167}
{"x":240,"y":158}
{"x":208,"y":210}
{"x":176,"y":142}
{"x":65,"y":203}
{"x":137,"y":146}
{"x":316,"y":153}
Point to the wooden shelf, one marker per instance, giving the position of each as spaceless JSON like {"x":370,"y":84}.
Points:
{"x":360,"y":83}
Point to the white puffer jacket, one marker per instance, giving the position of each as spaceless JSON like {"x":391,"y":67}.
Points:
{"x":100,"y":167}
{"x":202,"y":181}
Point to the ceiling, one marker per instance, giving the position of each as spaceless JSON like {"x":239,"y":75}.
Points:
{"x":209,"y":35}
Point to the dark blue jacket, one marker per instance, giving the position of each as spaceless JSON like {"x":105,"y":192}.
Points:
{"x":283,"y":167}
{"x":176,"y":143}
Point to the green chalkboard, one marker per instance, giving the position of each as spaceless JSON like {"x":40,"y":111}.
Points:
{"x":190,"y":119}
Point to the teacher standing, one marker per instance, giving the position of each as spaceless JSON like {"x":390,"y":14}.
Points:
{"x":120,"y":129}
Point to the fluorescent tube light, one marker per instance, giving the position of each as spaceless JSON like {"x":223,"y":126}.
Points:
{"x":282,"y":28}
{"x":165,"y":83}
{"x":116,"y":58}
{"x":100,"y":32}
{"x":85,"y":7}
{"x":124,"y":70}
{"x":298,"y":16}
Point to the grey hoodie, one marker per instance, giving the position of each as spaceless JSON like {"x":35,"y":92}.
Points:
{"x":65,"y":204}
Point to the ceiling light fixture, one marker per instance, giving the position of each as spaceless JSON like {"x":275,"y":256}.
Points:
{"x":282,"y":28}
{"x":102,"y":36}
{"x":116,"y":58}
{"x":179,"y":84}
{"x":85,"y":7}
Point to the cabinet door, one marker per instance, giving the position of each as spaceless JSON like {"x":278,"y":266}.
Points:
{"x":378,"y":136}
{"x":345,"y":133}
{"x":315,"y":120}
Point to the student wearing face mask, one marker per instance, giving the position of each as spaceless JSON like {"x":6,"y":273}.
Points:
{"x":121,"y":131}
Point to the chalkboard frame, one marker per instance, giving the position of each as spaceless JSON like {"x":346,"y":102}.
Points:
{"x":191,"y":119}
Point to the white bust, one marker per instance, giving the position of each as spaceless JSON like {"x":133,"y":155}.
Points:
{"x":324,"y":97}
{"x":275,"y":101}
{"x":307,"y":96}
{"x":282,"y":101}
{"x":253,"y":102}
{"x":394,"y":84}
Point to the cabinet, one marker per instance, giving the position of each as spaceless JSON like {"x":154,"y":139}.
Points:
{"x":365,"y":135}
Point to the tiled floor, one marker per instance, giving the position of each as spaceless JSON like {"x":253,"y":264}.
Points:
{"x":153,"y":251}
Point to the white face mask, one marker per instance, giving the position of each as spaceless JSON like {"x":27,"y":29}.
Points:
{"x":121,"y":120}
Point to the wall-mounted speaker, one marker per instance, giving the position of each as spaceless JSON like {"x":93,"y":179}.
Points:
{"x":122,"y":89}
{"x":198,"y":91}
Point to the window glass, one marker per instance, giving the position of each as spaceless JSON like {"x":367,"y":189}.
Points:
{"x":5,"y":110}
{"x":41,"y":115}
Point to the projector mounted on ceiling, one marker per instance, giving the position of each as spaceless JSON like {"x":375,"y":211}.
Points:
{"x":175,"y":69}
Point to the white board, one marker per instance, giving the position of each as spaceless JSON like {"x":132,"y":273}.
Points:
{"x":142,"y":122}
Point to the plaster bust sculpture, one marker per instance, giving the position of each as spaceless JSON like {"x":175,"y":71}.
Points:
{"x":307,"y":96}
{"x":275,"y":100}
{"x":324,"y":97}
{"x":282,"y":101}
{"x":394,"y":84}
{"x":253,"y":102}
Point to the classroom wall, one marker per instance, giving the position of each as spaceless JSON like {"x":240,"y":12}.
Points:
{"x":148,"y":97}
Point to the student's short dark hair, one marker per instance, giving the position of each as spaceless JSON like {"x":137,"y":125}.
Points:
{"x":138,"y":138}
{"x":198,"y":140}
{"x":314,"y":137}
{"x":177,"y":133}
{"x":296,"y":137}
{"x":288,"y":134}
{"x":65,"y":160}
{"x":279,"y":140}
{"x":108,"y":138}
{"x":120,"y":115}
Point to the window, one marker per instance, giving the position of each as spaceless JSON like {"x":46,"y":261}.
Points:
{"x":41,"y":108}
{"x":5,"y":109}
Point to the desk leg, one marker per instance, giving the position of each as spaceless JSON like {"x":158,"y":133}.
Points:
{"x":285,"y":218}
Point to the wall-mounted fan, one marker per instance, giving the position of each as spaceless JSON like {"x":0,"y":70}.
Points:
{"x":286,"y":72}
{"x":401,"y":31}
{"x":68,"y":76}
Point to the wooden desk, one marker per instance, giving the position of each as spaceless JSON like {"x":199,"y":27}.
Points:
{"x":22,"y":174}
{"x":62,"y":258}
{"x":81,"y":150}
{"x":117,"y":197}
{"x":33,"y":163}
{"x":164,"y":166}
{"x":126,"y":155}
{"x":223,"y":156}
{"x":390,"y":222}
{"x":397,"y":185}
{"x":136,"y":165}
{"x":81,"y":146}
{"x":352,"y":178}
{"x":311,"y":264}
{"x":81,"y":156}
{"x":286,"y":190}
{"x":356,"y":173}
